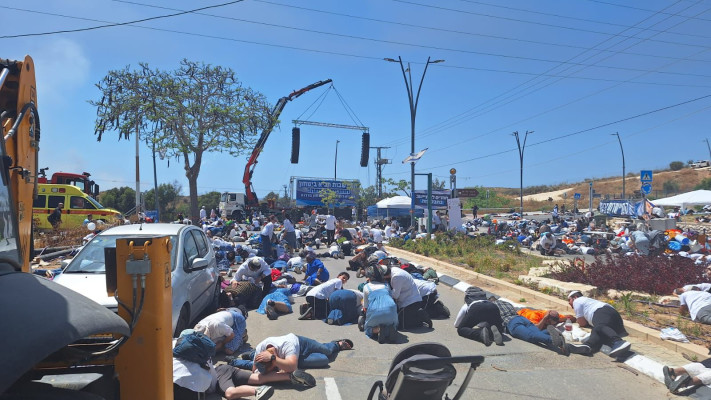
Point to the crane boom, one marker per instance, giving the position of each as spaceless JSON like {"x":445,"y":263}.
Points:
{"x":251,"y":197}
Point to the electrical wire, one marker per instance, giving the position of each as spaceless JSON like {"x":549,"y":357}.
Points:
{"x":119,"y":23}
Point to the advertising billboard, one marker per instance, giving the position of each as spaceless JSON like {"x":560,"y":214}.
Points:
{"x":439,"y":199}
{"x":309,"y":192}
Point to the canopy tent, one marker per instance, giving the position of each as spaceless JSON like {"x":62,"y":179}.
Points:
{"x":396,"y":206}
{"x":697,"y":197}
{"x":395,"y":202}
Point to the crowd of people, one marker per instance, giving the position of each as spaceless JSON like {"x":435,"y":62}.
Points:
{"x":266,"y":263}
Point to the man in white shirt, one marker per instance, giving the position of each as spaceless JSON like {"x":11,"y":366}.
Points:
{"x":696,"y":303}
{"x":290,"y":352}
{"x":548,"y":244}
{"x":430,"y":299}
{"x":330,"y":229}
{"x":203,"y":213}
{"x":317,"y":298}
{"x":289,"y":230}
{"x":266,"y":237}
{"x":254,"y":270}
{"x":377,"y":235}
{"x":408,"y":299}
{"x":606,"y":322}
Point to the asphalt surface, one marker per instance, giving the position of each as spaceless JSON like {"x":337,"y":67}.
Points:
{"x":517,"y":370}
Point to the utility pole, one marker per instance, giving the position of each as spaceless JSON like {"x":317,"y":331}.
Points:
{"x":379,"y":162}
{"x":623,"y":163}
{"x":709,"y":147}
{"x":520,"y":155}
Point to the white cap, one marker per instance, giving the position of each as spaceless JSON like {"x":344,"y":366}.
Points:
{"x":574,"y":292}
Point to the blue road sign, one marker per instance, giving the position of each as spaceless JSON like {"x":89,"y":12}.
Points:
{"x":646,"y":188}
{"x":577,"y":196}
{"x":645,"y":176}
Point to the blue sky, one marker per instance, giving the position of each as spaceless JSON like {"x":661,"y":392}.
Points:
{"x":574,"y":72}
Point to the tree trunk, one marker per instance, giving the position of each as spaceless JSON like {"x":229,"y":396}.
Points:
{"x":192,"y":172}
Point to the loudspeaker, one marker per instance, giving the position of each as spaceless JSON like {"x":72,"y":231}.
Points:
{"x":295,"y":140}
{"x":365,"y":150}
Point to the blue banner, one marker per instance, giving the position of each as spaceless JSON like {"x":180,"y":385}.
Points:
{"x":308,"y":192}
{"x":439,"y":199}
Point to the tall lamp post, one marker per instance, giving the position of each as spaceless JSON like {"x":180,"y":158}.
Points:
{"x":709,"y":147}
{"x":520,"y":156}
{"x":335,"y":160}
{"x":623,"y":163}
{"x":407,"y":75}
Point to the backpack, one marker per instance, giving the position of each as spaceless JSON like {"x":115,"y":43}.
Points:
{"x":194,"y":347}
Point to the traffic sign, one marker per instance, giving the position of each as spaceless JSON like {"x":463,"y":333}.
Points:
{"x":645,"y":176}
{"x":577,"y":196}
{"x":646,"y":188}
{"x":467,"y":192}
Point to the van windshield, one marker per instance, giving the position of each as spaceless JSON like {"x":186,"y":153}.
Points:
{"x":90,"y":259}
{"x":94,"y":202}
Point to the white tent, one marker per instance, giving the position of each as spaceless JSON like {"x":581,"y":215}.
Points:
{"x":395,"y":202}
{"x":697,"y":197}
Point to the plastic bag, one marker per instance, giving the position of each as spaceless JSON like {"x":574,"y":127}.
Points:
{"x":674,"y":334}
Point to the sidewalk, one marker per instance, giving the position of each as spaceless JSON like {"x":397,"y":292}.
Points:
{"x":650,"y":352}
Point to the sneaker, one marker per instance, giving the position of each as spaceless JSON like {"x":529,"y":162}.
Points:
{"x":263,"y":392}
{"x":556,"y":337}
{"x":307,"y":314}
{"x":575,"y":348}
{"x":498,"y":337}
{"x":271,"y":312}
{"x":302,"y":378}
{"x":619,"y":348}
{"x":680,"y":382}
{"x":668,"y":376}
{"x":485,"y":333}
{"x":303,"y":308}
{"x":229,"y":359}
{"x":425,"y":318}
{"x":247,"y":355}
{"x":384,"y":334}
{"x":329,"y":321}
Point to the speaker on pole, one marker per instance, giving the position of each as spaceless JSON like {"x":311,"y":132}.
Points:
{"x":365,"y":150}
{"x":295,"y":140}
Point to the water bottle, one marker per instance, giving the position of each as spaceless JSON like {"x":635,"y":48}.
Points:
{"x":568,"y":325}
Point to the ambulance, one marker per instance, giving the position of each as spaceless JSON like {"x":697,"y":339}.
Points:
{"x":77,"y":207}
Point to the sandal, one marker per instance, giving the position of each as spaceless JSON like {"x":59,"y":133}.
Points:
{"x":344,"y":344}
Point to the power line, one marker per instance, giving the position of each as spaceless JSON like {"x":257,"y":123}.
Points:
{"x":577,"y":29}
{"x":443,"y":29}
{"x":119,"y":23}
{"x":509,"y":96}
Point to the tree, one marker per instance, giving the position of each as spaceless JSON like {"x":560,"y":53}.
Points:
{"x":195,"y":109}
{"x":670,"y":187}
{"x":167,"y":194}
{"x":328,"y":198}
{"x":399,"y":186}
{"x":211,"y":201}
{"x":704,"y":185}
{"x":437,"y":184}
{"x":676,"y":165}
{"x":122,"y":198}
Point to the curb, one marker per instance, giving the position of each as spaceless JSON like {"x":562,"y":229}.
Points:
{"x":638,"y":362}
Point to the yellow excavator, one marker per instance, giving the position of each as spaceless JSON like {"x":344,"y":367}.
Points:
{"x":56,"y":343}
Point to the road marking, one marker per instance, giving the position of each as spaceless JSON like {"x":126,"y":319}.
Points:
{"x":332,"y":392}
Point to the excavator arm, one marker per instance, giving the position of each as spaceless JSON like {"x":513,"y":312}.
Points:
{"x":251,"y":199}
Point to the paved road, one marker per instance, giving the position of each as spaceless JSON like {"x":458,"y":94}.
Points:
{"x":518,"y":370}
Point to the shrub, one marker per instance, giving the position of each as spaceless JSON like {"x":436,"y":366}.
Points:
{"x":676,"y":165}
{"x":655,"y":275}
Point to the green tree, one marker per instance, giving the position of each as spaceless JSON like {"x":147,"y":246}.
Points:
{"x":121,"y":198}
{"x":328,"y":198}
{"x":437,"y":184}
{"x":211,"y":201}
{"x":392,"y":188}
{"x":167,"y":194}
{"x":670,"y":186}
{"x":676,"y":165}
{"x":704,"y":185}
{"x":194,"y":109}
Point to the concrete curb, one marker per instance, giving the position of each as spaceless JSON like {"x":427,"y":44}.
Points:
{"x":640,"y":363}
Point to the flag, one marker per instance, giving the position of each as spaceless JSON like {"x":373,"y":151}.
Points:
{"x":414,"y":158}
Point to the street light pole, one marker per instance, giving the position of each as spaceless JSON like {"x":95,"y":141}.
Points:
{"x":335,"y":160}
{"x":709,"y":147}
{"x":520,"y":156}
{"x":413,"y":113}
{"x":623,"y":163}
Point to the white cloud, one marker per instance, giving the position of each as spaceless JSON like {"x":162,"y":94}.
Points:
{"x":62,"y":68}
